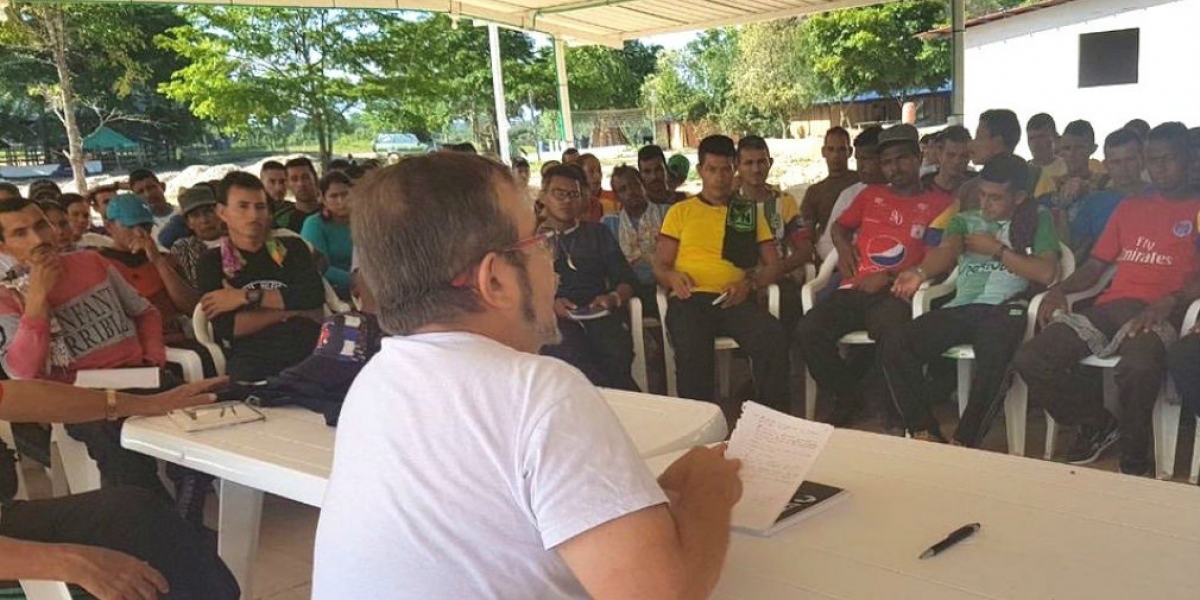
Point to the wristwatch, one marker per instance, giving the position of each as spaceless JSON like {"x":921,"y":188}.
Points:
{"x":254,"y":298}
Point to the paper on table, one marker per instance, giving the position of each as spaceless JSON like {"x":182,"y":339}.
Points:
{"x":118,"y":379}
{"x":776,"y":451}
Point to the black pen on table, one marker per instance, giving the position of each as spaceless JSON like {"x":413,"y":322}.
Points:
{"x":955,"y":537}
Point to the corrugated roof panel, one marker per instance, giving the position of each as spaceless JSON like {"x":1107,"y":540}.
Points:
{"x":606,"y":22}
{"x":629,"y":14}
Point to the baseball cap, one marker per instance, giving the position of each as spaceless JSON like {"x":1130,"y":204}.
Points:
{"x":679,"y":166}
{"x":898,"y":134}
{"x":197,"y":196}
{"x":44,"y":189}
{"x":129,"y":210}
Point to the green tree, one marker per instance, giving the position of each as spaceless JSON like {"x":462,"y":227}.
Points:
{"x":770,"y":75}
{"x":253,"y":64}
{"x":601,"y":77}
{"x":713,"y":55}
{"x":49,"y":47}
{"x":668,"y":93}
{"x":875,"y":48}
{"x":427,"y":73}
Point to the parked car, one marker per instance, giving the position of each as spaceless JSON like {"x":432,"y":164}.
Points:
{"x":393,"y":146}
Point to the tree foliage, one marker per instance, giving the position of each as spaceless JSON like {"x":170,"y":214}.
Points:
{"x":875,"y":48}
{"x":89,"y":65}
{"x":425,"y":73}
{"x":601,"y":77}
{"x":769,"y":74}
{"x":251,"y":65}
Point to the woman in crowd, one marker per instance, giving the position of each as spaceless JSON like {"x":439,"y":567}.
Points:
{"x":329,"y":231}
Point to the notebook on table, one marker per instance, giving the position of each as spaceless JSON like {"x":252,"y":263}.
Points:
{"x":777,"y":450}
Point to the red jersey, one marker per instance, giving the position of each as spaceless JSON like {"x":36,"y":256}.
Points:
{"x":893,"y":230}
{"x":1153,"y":242}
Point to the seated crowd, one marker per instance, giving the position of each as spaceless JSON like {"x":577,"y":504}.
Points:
{"x":456,"y":254}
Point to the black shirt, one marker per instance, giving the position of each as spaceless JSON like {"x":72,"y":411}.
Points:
{"x":296,"y":218}
{"x":282,"y":344}
{"x":590,"y":263}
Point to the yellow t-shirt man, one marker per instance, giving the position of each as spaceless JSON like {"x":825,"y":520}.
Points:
{"x":699,"y":227}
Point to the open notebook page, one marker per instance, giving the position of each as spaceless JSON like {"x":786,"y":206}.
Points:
{"x":776,"y":451}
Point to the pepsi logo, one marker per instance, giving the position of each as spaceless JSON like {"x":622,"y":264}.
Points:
{"x":886,"y":251}
{"x":1182,"y":229}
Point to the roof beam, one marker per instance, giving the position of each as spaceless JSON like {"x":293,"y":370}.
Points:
{"x":815,"y":6}
{"x":457,"y":9}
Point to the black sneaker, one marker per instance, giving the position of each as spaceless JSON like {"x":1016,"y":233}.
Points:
{"x":1090,"y":443}
{"x":1138,"y":467}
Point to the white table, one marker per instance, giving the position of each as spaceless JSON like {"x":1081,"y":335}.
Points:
{"x":1050,"y":530}
{"x":290,"y":454}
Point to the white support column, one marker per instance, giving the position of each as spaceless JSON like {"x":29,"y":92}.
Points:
{"x":564,"y":95}
{"x":958,"y":48}
{"x":498,"y":92}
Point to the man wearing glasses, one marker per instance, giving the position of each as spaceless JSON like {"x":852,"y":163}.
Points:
{"x":594,"y":284}
{"x":466,"y":465}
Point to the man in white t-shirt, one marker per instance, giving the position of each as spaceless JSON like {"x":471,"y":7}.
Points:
{"x":466,"y":465}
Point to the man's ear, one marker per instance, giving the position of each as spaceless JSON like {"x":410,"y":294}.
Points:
{"x":495,"y":282}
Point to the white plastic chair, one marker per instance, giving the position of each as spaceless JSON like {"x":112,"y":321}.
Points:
{"x":1109,"y":399}
{"x":45,"y":590}
{"x":638,"y":324}
{"x":189,"y":362}
{"x":722,"y":345}
{"x":202,"y":330}
{"x":808,"y":299}
{"x":1016,"y":402}
{"x":333,"y":304}
{"x":70,"y":457}
{"x":1166,"y":415}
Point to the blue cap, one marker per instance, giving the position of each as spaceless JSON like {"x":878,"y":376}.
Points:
{"x":129,"y":210}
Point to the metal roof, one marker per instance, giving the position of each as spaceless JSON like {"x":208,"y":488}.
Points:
{"x":605,"y":22}
{"x":944,"y":32}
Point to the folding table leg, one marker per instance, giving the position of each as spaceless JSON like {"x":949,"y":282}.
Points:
{"x":237,"y":532}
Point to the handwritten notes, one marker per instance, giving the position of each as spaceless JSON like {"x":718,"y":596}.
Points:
{"x":776,"y":451}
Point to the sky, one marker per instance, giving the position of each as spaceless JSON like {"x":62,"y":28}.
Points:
{"x":671,"y":41}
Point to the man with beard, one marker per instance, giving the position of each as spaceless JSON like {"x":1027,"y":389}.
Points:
{"x":457,"y":407}
{"x":302,"y":183}
{"x":652,"y":165}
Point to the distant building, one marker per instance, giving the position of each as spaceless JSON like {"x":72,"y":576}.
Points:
{"x":932,"y":106}
{"x":1107,"y":61}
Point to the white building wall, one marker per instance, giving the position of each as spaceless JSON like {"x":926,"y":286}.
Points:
{"x":1030,"y":64}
